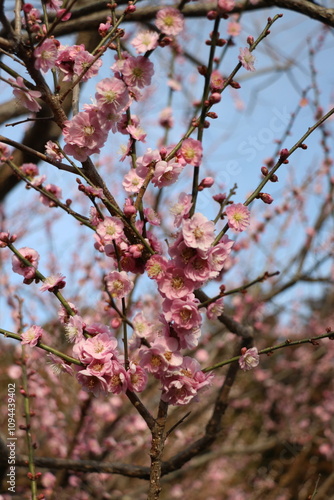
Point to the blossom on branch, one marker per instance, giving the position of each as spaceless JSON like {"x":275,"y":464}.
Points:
{"x":46,"y":55}
{"x":137,"y":71}
{"x":170,"y":21}
{"x":118,"y":284}
{"x":191,"y":152}
{"x":238,"y":216}
{"x":247,"y":59}
{"x":250,"y":358}
{"x":20,"y":267}
{"x":144,"y":41}
{"x":32,"y":335}
{"x":198,"y":232}
{"x":110,"y":229}
{"x":53,"y":283}
{"x":25,"y":96}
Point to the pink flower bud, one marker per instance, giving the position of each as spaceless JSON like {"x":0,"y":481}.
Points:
{"x":250,"y":40}
{"x":215,"y":98}
{"x":235,"y":85}
{"x":129,"y":209}
{"x":266,"y":198}
{"x":115,"y":322}
{"x":6,"y":238}
{"x":264,"y":171}
{"x":211,"y":15}
{"x":207,"y":182}
{"x":283,"y":154}
{"x":219,"y":197}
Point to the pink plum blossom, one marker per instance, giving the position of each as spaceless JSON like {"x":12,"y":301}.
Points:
{"x":78,"y":152}
{"x":152,"y":216}
{"x":66,"y":58}
{"x":191,"y":152}
{"x":161,"y":356}
{"x":30,"y":170}
{"x":25,"y":96}
{"x":156,"y":267}
{"x":226,"y":5}
{"x":181,"y":387}
{"x":110,"y":229}
{"x":181,"y":209}
{"x":59,"y":365}
{"x":141,"y":326}
{"x":215,"y":309}
{"x":55,"y":191}
{"x":216,"y":80}
{"x":33,"y":17}
{"x":53,"y":283}
{"x":218,"y":254}
{"x":84,"y":130}
{"x":102,"y":347}
{"x":198,"y":270}
{"x":83,"y":60}
{"x":117,"y":379}
{"x":136,"y":377}
{"x":247,"y":59}
{"x":238,"y":216}
{"x":144,"y":41}
{"x":142,"y":162}
{"x":64,"y":315}
{"x":138,"y":71}
{"x":166,"y":173}
{"x":52,"y":150}
{"x":249,"y":359}
{"x":233,"y":28}
{"x":132,"y":182}
{"x":91,"y":383}
{"x":183,"y":313}
{"x":174,"y":284}
{"x":180,"y":252}
{"x":74,"y":329}
{"x":170,"y":21}
{"x":104,"y":27}
{"x":20,"y":267}
{"x":136,"y":132}
{"x":118,"y":284}
{"x":54,"y":4}
{"x":166,"y":118}
{"x":198,"y":232}
{"x":112,"y":95}
{"x":46,"y":55}
{"x":32,"y":335}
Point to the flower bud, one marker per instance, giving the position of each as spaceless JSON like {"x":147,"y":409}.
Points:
{"x":215,"y":98}
{"x":266,"y":198}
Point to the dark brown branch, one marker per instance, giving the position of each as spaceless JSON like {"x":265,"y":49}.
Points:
{"x":246,"y":332}
{"x":90,"y":20}
{"x":84,"y":466}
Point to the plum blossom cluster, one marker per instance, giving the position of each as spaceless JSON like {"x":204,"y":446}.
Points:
{"x":165,"y":172}
{"x":103,"y":368}
{"x":193,"y":261}
{"x":87,"y":132}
